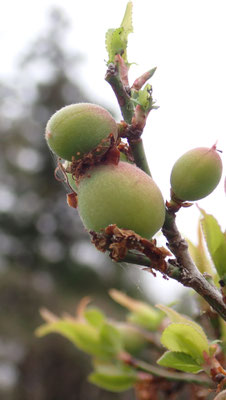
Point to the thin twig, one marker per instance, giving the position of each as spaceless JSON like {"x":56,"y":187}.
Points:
{"x":202,"y":380}
{"x":190,"y":275}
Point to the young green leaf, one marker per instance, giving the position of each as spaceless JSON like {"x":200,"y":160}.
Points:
{"x":95,"y":317}
{"x":116,"y":39}
{"x":145,"y":97}
{"x":115,"y":43}
{"x":216,"y":242}
{"x":84,"y":336}
{"x":127,"y":23}
{"x":186,"y":339}
{"x":180,"y":361}
{"x":110,"y":339}
{"x":145,"y":318}
{"x":174,"y":316}
{"x":142,"y":314}
{"x":199,"y":255}
{"x":114,"y":378}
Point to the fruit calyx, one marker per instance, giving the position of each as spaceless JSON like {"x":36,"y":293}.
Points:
{"x":119,"y":241}
{"x":175,"y":204}
{"x":78,"y":168}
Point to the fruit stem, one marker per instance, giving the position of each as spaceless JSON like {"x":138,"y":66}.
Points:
{"x":201,"y":380}
{"x":139,"y":155}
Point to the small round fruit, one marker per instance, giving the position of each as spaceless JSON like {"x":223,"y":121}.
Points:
{"x":77,"y":129}
{"x":123,"y":195}
{"x":196,"y":174}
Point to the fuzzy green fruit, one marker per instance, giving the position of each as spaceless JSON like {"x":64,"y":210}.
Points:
{"x":123,"y":195}
{"x":77,"y":129}
{"x":196,"y":174}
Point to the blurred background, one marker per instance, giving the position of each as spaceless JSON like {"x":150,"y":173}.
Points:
{"x":53,"y":55}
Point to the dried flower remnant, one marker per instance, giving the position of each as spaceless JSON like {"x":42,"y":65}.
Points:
{"x":119,"y":241}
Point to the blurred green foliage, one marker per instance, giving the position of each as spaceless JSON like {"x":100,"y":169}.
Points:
{"x":46,"y":258}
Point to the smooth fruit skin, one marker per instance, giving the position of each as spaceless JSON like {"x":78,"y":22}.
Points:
{"x":123,"y":195}
{"x":77,"y":129}
{"x":196,"y":174}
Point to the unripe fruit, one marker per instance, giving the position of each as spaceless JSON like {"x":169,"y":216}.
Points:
{"x":77,"y":129}
{"x":196,"y":174}
{"x":123,"y":195}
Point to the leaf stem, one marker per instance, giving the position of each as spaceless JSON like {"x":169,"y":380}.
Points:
{"x":202,"y":380}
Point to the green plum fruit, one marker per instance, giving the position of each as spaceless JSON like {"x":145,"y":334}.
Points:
{"x":123,"y":195}
{"x":196,"y":173}
{"x":77,"y":129}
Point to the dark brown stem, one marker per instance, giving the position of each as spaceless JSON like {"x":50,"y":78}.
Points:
{"x":190,"y":275}
{"x":182,"y":268}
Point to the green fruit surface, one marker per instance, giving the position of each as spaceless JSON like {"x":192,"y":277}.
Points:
{"x":77,"y":129}
{"x":196,"y":174}
{"x":123,"y":195}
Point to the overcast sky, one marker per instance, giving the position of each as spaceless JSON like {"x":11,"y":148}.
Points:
{"x":184,"y":39}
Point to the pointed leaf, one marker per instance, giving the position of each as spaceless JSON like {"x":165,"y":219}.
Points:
{"x":110,"y":339}
{"x":84,"y":336}
{"x":142,"y":314}
{"x":127,"y":22}
{"x":113,"y":378}
{"x":116,"y":39}
{"x":186,"y":339}
{"x":145,"y":97}
{"x":216,"y":242}
{"x":180,"y":361}
{"x":108,"y":42}
{"x":118,"y":45}
{"x":174,"y":316}
{"x":199,"y":254}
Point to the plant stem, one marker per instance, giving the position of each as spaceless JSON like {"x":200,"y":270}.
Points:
{"x":127,"y":109}
{"x":139,"y":155}
{"x":190,"y":275}
{"x":202,"y":380}
{"x":126,"y":106}
{"x":182,"y":268}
